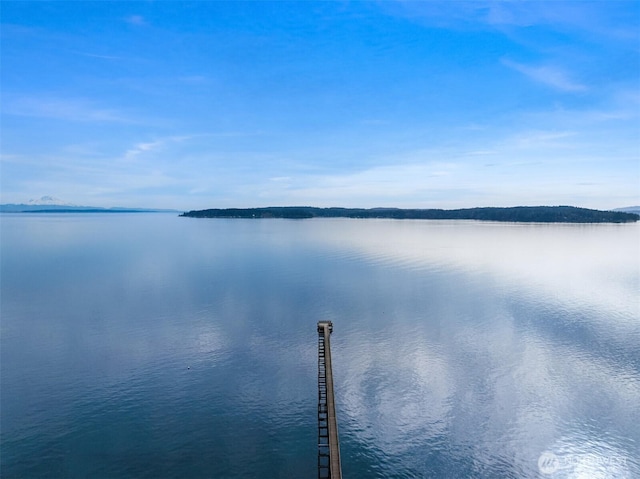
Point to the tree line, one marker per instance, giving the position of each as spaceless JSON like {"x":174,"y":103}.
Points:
{"x":538,"y":214}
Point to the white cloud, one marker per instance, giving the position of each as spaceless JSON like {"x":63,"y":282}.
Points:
{"x":140,"y":148}
{"x":548,"y":75}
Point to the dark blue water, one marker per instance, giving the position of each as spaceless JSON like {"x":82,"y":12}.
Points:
{"x":147,"y":345}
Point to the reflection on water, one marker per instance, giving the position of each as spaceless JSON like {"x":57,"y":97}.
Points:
{"x":151,"y":345}
{"x":597,"y":264}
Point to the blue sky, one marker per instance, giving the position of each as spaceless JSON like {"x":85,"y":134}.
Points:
{"x":409,"y":104}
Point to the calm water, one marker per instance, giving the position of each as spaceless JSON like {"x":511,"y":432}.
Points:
{"x":153,"y":346}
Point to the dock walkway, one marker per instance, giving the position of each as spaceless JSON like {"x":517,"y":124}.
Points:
{"x":328,"y":443}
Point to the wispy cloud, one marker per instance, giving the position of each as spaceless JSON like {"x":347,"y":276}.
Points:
{"x":141,"y":148}
{"x":602,"y":19}
{"x":530,"y":165}
{"x":69,"y":109}
{"x":97,"y":55}
{"x":385,"y":185}
{"x":157,"y":145}
{"x":551,"y":76}
{"x":540,"y":139}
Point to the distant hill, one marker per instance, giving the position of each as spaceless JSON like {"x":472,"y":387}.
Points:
{"x":526,"y":214}
{"x":629,"y":209}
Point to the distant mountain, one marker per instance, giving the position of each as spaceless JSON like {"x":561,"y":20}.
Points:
{"x":629,"y":209}
{"x":521,"y":214}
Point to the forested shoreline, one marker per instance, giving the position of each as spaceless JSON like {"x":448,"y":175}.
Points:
{"x":522,"y":214}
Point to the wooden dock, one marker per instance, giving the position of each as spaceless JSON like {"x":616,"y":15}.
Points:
{"x":328,"y":443}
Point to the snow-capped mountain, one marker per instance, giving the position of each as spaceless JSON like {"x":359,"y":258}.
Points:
{"x":48,"y":201}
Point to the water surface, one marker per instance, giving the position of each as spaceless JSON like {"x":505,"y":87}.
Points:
{"x":147,"y":345}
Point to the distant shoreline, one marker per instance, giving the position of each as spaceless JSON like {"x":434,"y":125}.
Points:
{"x":77,"y":209}
{"x":519,"y":214}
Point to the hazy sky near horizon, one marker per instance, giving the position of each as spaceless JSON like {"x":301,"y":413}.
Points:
{"x":192,"y":105}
